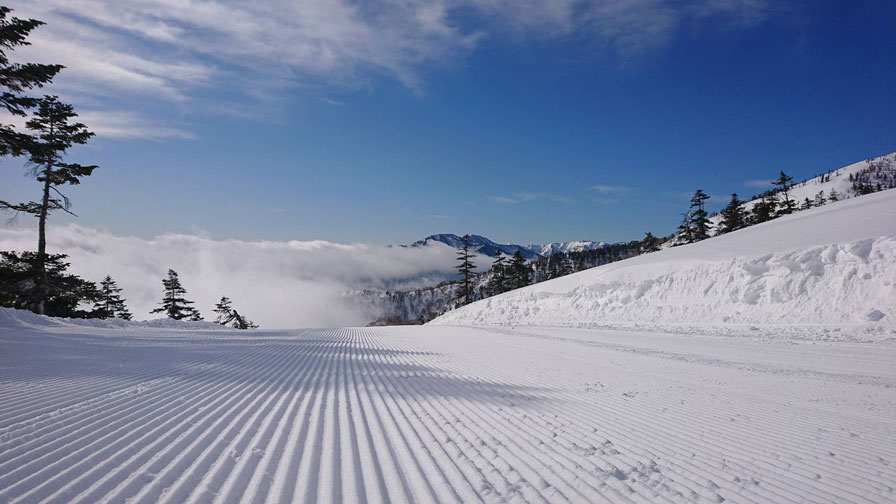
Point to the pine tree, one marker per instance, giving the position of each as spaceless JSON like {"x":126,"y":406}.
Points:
{"x":54,"y":134}
{"x":785,"y":182}
{"x":173,"y":302}
{"x":18,"y":285}
{"x":520,"y":274}
{"x":820,"y":199}
{"x":497,"y":284}
{"x":834,"y":195}
{"x":733,"y":216}
{"x":699,"y":220}
{"x":17,"y":78}
{"x":807,"y":204}
{"x":650,"y":243}
{"x":228,"y":316}
{"x":685,"y":228}
{"x":764,"y":209}
{"x":465,"y":267}
{"x":110,"y":304}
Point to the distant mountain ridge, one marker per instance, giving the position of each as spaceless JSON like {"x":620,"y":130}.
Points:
{"x":482,"y":245}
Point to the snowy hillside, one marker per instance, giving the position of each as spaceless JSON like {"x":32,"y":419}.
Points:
{"x":834,"y":265}
{"x":881,"y":169}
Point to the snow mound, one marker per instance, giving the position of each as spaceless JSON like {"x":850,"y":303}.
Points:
{"x":834,"y":265}
{"x":10,"y":317}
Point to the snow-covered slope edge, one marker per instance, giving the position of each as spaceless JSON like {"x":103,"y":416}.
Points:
{"x":829,"y":266}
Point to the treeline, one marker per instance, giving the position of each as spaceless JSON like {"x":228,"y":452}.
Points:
{"x":514,"y":273}
{"x":39,"y":281}
{"x":696,"y":224}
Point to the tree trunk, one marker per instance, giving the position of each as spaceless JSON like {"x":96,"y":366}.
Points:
{"x":42,"y":281}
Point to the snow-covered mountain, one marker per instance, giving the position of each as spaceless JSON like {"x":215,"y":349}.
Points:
{"x":564,"y":247}
{"x":482,"y":245}
{"x":478,"y":244}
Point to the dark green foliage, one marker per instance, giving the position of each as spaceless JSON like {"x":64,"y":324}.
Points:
{"x":54,"y":133}
{"x":64,"y":293}
{"x":174,"y":304}
{"x":650,"y":243}
{"x":228,"y":316}
{"x":807,"y":204}
{"x":784,"y":183}
{"x":834,"y":195}
{"x":733,"y":216}
{"x":17,"y":78}
{"x":497,"y":283}
{"x":519,"y":273}
{"x":699,"y":220}
{"x":109,"y":303}
{"x":820,"y":199}
{"x":465,"y":267}
{"x":764,"y":209}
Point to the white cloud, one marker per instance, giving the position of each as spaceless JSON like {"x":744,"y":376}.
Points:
{"x":761,"y":184}
{"x":610,"y":189}
{"x":525,"y":197}
{"x":173,"y":50}
{"x":276,"y":283}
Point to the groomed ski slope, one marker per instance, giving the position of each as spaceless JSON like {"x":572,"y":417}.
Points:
{"x":504,"y":412}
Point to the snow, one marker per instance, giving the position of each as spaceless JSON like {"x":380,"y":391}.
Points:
{"x":658,"y":397}
{"x":818,"y":272}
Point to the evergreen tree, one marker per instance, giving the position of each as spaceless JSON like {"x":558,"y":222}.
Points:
{"x":807,"y":204}
{"x":820,"y":199}
{"x":228,"y":316}
{"x":764,"y":209}
{"x":465,"y":267}
{"x":650,"y":243}
{"x":64,"y":293}
{"x":174,"y":304}
{"x":17,"y":78}
{"x":54,"y":134}
{"x":520,"y":274}
{"x":834,"y":195}
{"x":733,"y":216}
{"x":686,"y":229}
{"x":699,"y":220}
{"x":497,"y":284}
{"x":110,"y":304}
{"x":785,"y":182}
{"x":565,"y":264}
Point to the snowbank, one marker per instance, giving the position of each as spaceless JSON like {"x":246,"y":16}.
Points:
{"x":10,"y":317}
{"x":834,"y":265}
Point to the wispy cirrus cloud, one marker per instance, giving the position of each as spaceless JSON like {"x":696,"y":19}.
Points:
{"x":526,"y":197}
{"x":759,"y":183}
{"x":609,"y":189}
{"x":172,"y":51}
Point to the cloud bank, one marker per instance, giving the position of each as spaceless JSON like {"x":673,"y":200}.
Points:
{"x":279,"y":284}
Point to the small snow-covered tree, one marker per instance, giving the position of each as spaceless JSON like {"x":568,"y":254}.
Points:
{"x":229,"y":316}
{"x":785,"y":182}
{"x":650,"y":243}
{"x":174,"y":304}
{"x":110,"y":304}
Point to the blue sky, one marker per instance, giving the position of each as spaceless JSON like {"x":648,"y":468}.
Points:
{"x":524,"y":121}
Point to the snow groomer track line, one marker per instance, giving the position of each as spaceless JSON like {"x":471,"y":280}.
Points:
{"x":437,"y":414}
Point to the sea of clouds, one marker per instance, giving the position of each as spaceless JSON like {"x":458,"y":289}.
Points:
{"x":278,"y":284}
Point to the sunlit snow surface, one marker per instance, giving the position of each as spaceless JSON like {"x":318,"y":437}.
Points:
{"x":796,"y":409}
